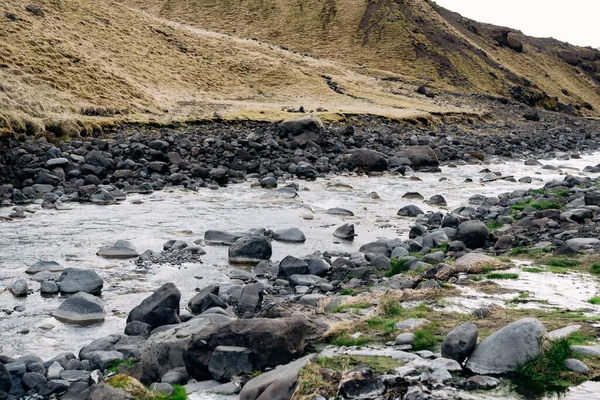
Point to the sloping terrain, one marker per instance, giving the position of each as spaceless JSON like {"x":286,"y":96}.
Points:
{"x":416,"y":38}
{"x":103,"y":60}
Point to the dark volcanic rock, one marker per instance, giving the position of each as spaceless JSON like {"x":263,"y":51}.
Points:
{"x":271,"y":341}
{"x":472,"y":233}
{"x":366,"y":160}
{"x":421,"y":157}
{"x":161,"y":308}
{"x":74,"y":280}
{"x":251,"y":249}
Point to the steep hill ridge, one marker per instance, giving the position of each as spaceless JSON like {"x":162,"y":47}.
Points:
{"x":103,"y":60}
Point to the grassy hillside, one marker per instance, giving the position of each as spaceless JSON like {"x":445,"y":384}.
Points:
{"x":416,"y":38}
{"x":89,"y":62}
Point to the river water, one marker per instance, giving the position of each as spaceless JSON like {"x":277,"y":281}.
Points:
{"x":72,"y":237}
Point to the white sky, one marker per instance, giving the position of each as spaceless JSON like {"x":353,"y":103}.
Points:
{"x":573,"y":21}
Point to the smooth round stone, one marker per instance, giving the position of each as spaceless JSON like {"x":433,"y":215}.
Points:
{"x":405,"y":338}
{"x":81,"y":308}
{"x":19,"y":288}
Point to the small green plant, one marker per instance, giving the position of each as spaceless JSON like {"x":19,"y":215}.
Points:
{"x":498,"y":275}
{"x":520,"y":206}
{"x":343,"y":307}
{"x":545,"y":205}
{"x":344,"y":339}
{"x":390,"y":306}
{"x":494,"y":225}
{"x":533,"y":270}
{"x":486,"y":269}
{"x":399,"y":265}
{"x":560,"y":262}
{"x":548,"y":368}
{"x":178,"y":394}
{"x":517,"y":251}
{"x":594,"y":300}
{"x":114,"y":366}
{"x":595,"y":269}
{"x":560,"y":193}
{"x":425,"y":338}
{"x":476,"y":278}
{"x":346,"y":292}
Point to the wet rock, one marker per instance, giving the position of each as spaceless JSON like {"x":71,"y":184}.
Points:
{"x":271,"y":341}
{"x":251,"y":298}
{"x":268,"y":182}
{"x":359,"y":383}
{"x":508,"y":348}
{"x":81,"y":308}
{"x":480,"y":382}
{"x":48,"y":288}
{"x":302,"y":129}
{"x":41,"y":266}
{"x":460,"y":342}
{"x":437,"y":200}
{"x":251,"y":249}
{"x":345,"y":232}
{"x":205,"y":300}
{"x":227,"y":361}
{"x":472,"y":233}
{"x":410,"y":211}
{"x":16,"y":371}
{"x":138,"y":328}
{"x":102,"y":197}
{"x":121,"y":249}
{"x":277,"y":384}
{"x":291,"y":266}
{"x":74,"y":280}
{"x":365,"y":160}
{"x":5,"y":382}
{"x":160,"y":308}
{"x":291,"y":235}
{"x":340,"y":211}
{"x":317,"y":266}
{"x":19,"y":288}
{"x":421,"y":157}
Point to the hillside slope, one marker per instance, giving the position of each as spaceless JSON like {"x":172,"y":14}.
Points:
{"x":416,"y":38}
{"x":104,"y":60}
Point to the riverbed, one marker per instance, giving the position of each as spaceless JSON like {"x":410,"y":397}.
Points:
{"x":72,"y":237}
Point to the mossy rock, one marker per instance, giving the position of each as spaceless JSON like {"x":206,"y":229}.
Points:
{"x":130,"y":385}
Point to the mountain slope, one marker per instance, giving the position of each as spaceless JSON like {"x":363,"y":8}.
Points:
{"x":416,"y":38}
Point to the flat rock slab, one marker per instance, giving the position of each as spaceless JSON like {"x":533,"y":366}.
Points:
{"x":411,"y":324}
{"x":563,"y":332}
{"x":121,"y":249}
{"x":40,"y":266}
{"x":587,"y":350}
{"x":582,"y":243}
{"x":81,"y":308}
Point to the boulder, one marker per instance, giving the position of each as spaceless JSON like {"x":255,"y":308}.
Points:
{"x":277,"y":384}
{"x":592,"y":199}
{"x":460,"y":343}
{"x":251,"y":298}
{"x":41,"y":266}
{"x":508,"y":348}
{"x":582,"y":243}
{"x":33,"y":381}
{"x":19,"y":288}
{"x":121,"y":249}
{"x":410,"y":211}
{"x":220,"y":237}
{"x":345,"y":232}
{"x":366,"y":160}
{"x":421,"y":157}
{"x":302,"y":129}
{"x":102,"y":197}
{"x":161,"y":308}
{"x":251,"y":249}
{"x":472,"y":233}
{"x":291,"y":266}
{"x":472,"y":263}
{"x":202,"y":301}
{"x":271,"y":341}
{"x":81,"y":308}
{"x":74,"y":280}
{"x":291,"y":235}
{"x":227,"y":361}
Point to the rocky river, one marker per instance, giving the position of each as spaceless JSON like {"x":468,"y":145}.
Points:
{"x":408,"y":207}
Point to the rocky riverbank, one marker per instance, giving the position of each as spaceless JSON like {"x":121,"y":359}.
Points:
{"x":375,"y":309}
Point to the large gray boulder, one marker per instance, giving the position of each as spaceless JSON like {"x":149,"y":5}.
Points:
{"x":472,"y":233}
{"x":290,"y":266}
{"x":345,"y":232}
{"x":366,"y":160}
{"x":461,"y":342}
{"x":121,"y":249}
{"x":508,"y":348}
{"x":278,"y":384}
{"x":161,"y":308}
{"x":81,"y":308}
{"x":302,"y":129}
{"x":421,"y":157}
{"x":74,"y":280}
{"x":251,"y":249}
{"x":271,"y":341}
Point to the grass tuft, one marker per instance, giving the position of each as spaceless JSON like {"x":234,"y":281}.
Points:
{"x":114,"y":366}
{"x":399,"y":265}
{"x":548,"y":369}
{"x":594,"y":300}
{"x":498,"y":275}
{"x":595,"y":269}
{"x":560,"y":262}
{"x":494,"y":225}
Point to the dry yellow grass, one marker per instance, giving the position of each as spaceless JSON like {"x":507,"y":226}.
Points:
{"x":104,"y":60}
